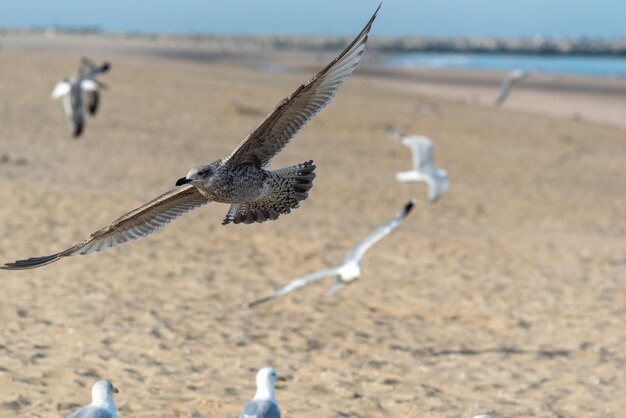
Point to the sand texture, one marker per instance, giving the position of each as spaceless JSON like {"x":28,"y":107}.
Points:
{"x":508,"y":296}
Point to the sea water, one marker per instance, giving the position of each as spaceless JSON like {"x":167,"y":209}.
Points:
{"x":548,"y":64}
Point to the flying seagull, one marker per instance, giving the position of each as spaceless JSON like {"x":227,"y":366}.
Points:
{"x":424,"y":168}
{"x":349,"y":270}
{"x":242,"y":178}
{"x":102,"y":405}
{"x":507,"y":84}
{"x":264,"y":403}
{"x":80,"y":92}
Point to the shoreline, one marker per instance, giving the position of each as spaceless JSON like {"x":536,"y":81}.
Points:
{"x":580,"y":97}
{"x":536,"y":45}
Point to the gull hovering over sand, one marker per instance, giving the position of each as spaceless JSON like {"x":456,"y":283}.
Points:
{"x":507,"y":84}
{"x":242,"y":178}
{"x":80,"y":93}
{"x":349,"y":270}
{"x":102,"y":405}
{"x":264,"y":403}
{"x":424,"y":168}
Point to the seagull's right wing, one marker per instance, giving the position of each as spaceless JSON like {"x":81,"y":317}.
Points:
{"x":294,"y":111}
{"x":138,"y":223}
{"x":293,"y":285}
{"x":89,"y":69}
{"x":357,"y":252}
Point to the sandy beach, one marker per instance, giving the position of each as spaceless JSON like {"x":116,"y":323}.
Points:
{"x":506,"y":297}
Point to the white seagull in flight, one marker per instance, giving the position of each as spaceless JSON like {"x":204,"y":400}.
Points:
{"x":507,"y":84}
{"x":80,"y":93}
{"x":424,"y":168}
{"x":350,"y":269}
{"x":241,"y":179}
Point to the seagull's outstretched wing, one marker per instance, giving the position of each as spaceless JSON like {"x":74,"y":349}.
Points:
{"x":357,"y":252}
{"x":138,"y":223}
{"x":293,"y":285}
{"x":293,"y":112}
{"x":88,"y":63}
{"x":89,"y":69}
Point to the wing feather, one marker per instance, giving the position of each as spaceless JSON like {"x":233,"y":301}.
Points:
{"x":293,"y":285}
{"x":143,"y":221}
{"x":357,"y":252}
{"x":293,"y":112}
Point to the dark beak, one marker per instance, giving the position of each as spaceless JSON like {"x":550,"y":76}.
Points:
{"x":115,"y":390}
{"x":182,"y":181}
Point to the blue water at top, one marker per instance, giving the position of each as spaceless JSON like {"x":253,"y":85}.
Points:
{"x":582,"y":65}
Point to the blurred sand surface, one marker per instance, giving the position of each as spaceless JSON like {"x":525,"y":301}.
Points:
{"x":506,"y":297}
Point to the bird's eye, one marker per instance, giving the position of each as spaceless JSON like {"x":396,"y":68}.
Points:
{"x":201,"y":173}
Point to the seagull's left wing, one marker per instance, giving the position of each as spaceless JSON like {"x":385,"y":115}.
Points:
{"x":293,"y":112}
{"x":137,"y":223}
{"x":86,"y":62}
{"x":357,"y":252}
{"x":293,"y":285}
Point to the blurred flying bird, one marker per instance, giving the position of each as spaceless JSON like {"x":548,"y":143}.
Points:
{"x":349,"y":270}
{"x":102,"y":405}
{"x":424,"y":168}
{"x":80,"y":93}
{"x":507,"y":84}
{"x":242,"y":178}
{"x":264,"y":403}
